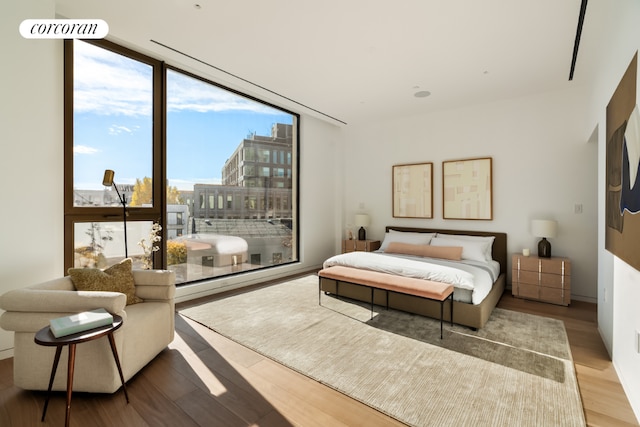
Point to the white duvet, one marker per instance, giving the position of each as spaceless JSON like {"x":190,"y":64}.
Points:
{"x":472,"y":282}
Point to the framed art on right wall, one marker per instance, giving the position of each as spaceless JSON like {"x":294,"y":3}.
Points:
{"x":622,"y":203}
{"x":467,"y":189}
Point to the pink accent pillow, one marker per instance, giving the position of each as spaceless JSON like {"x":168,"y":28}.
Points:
{"x":444,"y":252}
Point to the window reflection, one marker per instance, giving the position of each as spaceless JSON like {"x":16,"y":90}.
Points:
{"x":213,"y":158}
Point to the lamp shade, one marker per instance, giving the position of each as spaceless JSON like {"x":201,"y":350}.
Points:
{"x":544,"y":228}
{"x":107,"y":181}
{"x":362,"y":220}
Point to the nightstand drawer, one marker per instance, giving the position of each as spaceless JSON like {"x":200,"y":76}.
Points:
{"x":527,"y":277}
{"x":526,"y":291}
{"x":525,"y":263}
{"x":555,"y":280}
{"x":543,"y":265}
{"x":555,"y":295}
{"x":534,"y":278}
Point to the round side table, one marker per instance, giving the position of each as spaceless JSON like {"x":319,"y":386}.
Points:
{"x":45,"y":337}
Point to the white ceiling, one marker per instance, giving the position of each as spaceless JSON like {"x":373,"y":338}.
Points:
{"x":355,"y":60}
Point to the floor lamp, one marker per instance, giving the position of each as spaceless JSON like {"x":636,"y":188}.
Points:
{"x":107,"y":181}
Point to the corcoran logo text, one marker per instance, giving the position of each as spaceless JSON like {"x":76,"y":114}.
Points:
{"x":64,"y":29}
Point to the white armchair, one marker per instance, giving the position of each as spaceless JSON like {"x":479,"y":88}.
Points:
{"x":148,"y":328}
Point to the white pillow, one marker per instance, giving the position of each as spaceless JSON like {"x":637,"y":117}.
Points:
{"x":487,"y":239}
{"x":471,"y":250}
{"x":406,"y":237}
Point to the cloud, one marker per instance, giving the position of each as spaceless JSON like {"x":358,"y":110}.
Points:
{"x":187,"y":93}
{"x":108,"y":83}
{"x":83,"y":149}
{"x":117,"y":129}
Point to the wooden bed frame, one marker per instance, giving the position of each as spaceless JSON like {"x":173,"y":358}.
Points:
{"x":472,"y":315}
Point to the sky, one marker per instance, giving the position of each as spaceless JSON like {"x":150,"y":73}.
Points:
{"x":113,"y":122}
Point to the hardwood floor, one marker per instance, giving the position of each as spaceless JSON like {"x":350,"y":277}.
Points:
{"x":204,"y":379}
{"x":603,"y":398}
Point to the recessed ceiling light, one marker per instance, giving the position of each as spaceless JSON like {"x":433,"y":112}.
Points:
{"x":422,"y":94}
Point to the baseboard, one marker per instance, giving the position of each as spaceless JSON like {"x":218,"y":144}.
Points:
{"x":6,"y":354}
{"x":584,"y":299}
{"x":628,"y":391}
{"x":215,"y":286}
{"x":602,"y":335}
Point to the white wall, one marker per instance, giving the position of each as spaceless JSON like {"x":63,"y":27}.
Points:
{"x":543,"y":165}
{"x":31,"y":164}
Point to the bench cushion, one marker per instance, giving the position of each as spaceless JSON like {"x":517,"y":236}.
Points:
{"x":408,"y":285}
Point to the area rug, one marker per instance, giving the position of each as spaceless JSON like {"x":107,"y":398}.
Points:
{"x":516,"y":371}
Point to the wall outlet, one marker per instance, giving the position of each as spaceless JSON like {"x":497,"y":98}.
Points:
{"x":577,"y":208}
{"x":604,"y":295}
{"x":637,"y":341}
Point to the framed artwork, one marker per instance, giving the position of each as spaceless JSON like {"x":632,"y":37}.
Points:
{"x":622,"y":231}
{"x":413,"y":190}
{"x":466,"y":189}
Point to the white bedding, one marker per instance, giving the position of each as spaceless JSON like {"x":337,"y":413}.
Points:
{"x":472,"y":280}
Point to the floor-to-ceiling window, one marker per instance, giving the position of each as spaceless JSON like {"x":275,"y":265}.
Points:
{"x":215,"y":168}
{"x":226,"y":154}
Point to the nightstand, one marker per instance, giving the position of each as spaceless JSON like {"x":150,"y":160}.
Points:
{"x":360,"y":245}
{"x":542,"y":279}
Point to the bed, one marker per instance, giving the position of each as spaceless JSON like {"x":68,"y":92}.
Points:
{"x":478,"y":285}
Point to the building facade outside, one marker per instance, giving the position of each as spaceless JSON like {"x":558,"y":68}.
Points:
{"x":262,"y":161}
{"x":254,"y":203}
{"x":231,"y":202}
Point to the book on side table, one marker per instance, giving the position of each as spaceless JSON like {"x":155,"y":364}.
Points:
{"x":80,"y":322}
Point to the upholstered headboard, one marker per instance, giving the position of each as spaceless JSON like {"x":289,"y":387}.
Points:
{"x":499,"y":250}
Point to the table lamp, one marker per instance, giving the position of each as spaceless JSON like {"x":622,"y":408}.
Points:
{"x":362,"y":221}
{"x":544,"y":228}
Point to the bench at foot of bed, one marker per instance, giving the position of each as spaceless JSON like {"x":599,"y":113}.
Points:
{"x":427,"y":289}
